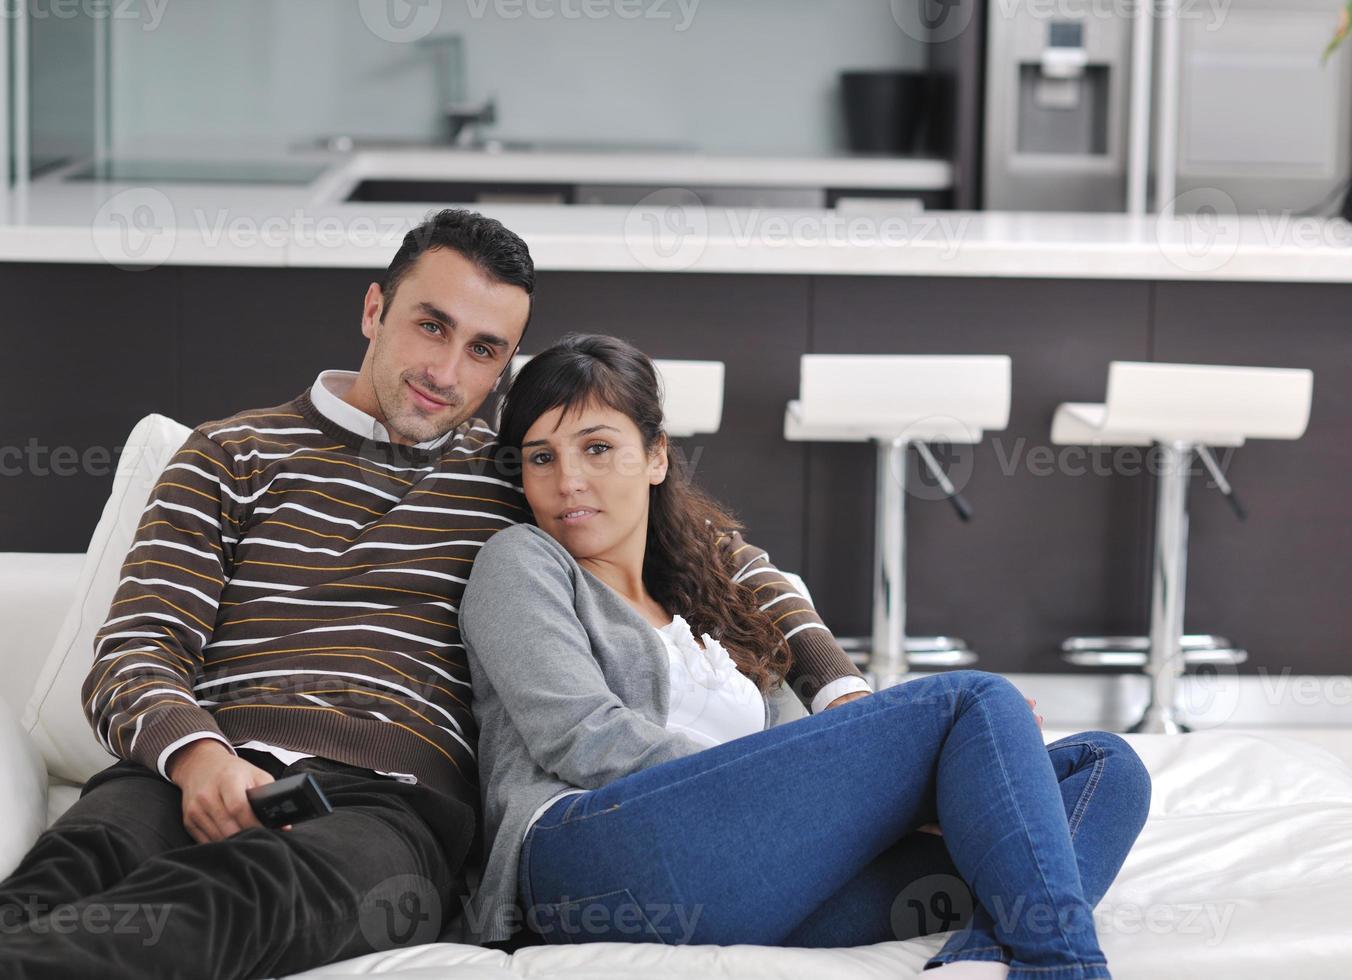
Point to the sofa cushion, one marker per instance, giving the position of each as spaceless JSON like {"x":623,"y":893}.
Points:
{"x":23,"y":792}
{"x":35,"y":591}
{"x":1243,"y":871}
{"x":54,"y":716}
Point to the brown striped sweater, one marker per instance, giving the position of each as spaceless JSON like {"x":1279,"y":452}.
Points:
{"x":296,"y":583}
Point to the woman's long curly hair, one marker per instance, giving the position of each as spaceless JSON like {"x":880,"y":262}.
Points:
{"x":683,"y":568}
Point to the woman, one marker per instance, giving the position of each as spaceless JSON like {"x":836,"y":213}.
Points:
{"x":632,"y":791}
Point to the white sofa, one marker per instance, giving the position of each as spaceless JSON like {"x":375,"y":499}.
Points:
{"x":1243,"y":871}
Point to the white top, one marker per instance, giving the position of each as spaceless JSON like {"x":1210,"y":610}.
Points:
{"x":712,"y":702}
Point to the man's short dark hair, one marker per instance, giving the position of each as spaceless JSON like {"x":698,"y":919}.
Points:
{"x":500,"y":254}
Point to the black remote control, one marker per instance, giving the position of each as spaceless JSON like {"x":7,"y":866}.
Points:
{"x":288,"y":800}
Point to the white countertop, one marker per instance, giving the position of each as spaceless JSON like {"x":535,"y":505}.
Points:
{"x":661,"y":169}
{"x":311,"y":226}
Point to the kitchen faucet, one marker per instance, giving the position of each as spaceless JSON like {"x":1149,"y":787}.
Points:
{"x":462,"y":118}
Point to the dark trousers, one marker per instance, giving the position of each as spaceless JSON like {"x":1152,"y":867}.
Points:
{"x":117,"y":888}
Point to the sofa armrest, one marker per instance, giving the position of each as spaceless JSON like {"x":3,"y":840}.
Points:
{"x":23,"y":792}
{"x":36,"y":590}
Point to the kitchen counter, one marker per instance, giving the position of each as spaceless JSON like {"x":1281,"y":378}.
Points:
{"x":1062,"y":295}
{"x":312,"y":226}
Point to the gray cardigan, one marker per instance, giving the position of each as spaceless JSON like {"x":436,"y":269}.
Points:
{"x":571,"y":690}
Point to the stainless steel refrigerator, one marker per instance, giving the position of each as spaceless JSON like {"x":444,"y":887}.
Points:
{"x":1113,"y":105}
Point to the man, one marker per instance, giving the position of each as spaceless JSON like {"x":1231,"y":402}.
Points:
{"x":289,"y":605}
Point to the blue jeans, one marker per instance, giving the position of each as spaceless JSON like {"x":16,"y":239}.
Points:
{"x":805,"y":835}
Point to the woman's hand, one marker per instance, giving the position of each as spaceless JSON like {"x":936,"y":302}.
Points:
{"x":933,"y":828}
{"x":855,"y":695}
{"x":845,"y":698}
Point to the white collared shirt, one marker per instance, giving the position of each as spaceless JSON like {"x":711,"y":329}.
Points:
{"x":327,"y":394}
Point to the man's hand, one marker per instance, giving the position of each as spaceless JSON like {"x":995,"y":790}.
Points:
{"x":213,"y":780}
{"x":846,"y":698}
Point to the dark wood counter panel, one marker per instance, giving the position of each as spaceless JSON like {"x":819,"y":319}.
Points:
{"x":1051,"y":551}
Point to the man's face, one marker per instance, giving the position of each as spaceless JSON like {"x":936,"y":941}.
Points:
{"x":438,"y":348}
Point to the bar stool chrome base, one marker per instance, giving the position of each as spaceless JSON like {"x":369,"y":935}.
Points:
{"x":1166,"y":653}
{"x":1181,"y":410}
{"x":926,"y":652}
{"x":899,"y":403}
{"x":1134,"y":651}
{"x":892,"y":654}
{"x":1158,"y":720}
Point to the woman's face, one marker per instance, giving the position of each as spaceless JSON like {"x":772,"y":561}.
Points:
{"x":587,"y":477}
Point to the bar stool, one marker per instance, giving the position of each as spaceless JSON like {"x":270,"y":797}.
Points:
{"x":898,"y":402}
{"x":692,"y":394}
{"x":1182,"y":409}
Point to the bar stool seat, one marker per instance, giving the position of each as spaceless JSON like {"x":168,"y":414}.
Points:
{"x":898,"y":401}
{"x":692,"y":394}
{"x":1182,"y":409}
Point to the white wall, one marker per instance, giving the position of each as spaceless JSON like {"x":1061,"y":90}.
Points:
{"x":726,"y":75}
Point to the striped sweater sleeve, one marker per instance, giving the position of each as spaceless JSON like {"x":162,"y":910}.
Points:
{"x":138,"y":695}
{"x":821,"y":670}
